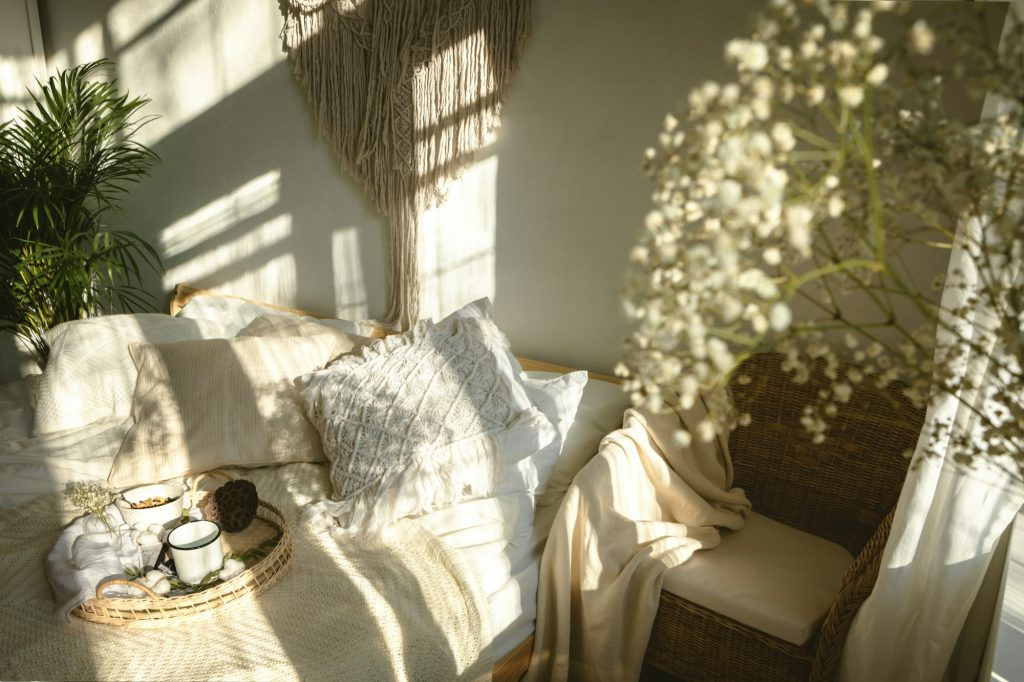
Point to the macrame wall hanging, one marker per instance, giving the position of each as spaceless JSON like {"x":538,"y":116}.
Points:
{"x":406,"y":91}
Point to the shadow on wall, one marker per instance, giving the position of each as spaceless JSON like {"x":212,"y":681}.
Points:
{"x":246,"y":199}
{"x":255,"y":214}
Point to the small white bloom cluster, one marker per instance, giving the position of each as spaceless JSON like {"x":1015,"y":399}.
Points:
{"x":808,"y":178}
{"x":92,"y":497}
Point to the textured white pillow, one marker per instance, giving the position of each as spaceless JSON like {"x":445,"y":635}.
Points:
{"x":419,"y":420}
{"x":90,"y":374}
{"x":236,"y":314}
{"x":557,"y":396}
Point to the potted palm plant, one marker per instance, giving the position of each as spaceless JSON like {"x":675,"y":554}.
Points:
{"x":65,"y":165}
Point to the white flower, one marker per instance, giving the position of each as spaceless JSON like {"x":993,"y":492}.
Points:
{"x":729,"y":193}
{"x":719,"y":354}
{"x":735,"y":202}
{"x":782,"y":135}
{"x":815,"y":95}
{"x":760,"y":144}
{"x":836,"y":206}
{"x":761,"y":108}
{"x":851,"y":95}
{"x":842,"y":392}
{"x":862,"y":29}
{"x":785,"y":57}
{"x":798,"y":223}
{"x":877,"y":75}
{"x":232,"y":568}
{"x":780,"y":317}
{"x":654,"y":220}
{"x":749,"y":55}
{"x":706,"y":430}
{"x":922,"y":38}
{"x":156,"y":581}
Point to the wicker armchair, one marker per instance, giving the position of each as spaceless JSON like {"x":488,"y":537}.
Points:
{"x":843,"y":490}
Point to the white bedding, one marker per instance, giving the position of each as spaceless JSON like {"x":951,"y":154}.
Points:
{"x":30,"y":467}
{"x":504,"y":556}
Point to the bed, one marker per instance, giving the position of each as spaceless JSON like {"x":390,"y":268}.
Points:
{"x":34,"y":465}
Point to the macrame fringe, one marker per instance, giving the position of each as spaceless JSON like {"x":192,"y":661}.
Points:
{"x":406,"y":91}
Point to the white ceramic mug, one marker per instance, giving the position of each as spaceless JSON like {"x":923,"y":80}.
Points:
{"x":196,"y":549}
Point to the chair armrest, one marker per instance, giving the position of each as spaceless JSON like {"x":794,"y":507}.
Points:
{"x":857,"y":585}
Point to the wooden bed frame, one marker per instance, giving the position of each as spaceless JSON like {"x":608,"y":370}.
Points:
{"x":513,"y":665}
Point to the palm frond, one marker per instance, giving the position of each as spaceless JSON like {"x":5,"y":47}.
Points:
{"x":65,"y":163}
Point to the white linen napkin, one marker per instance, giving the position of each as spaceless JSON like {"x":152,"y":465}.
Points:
{"x":85,"y":555}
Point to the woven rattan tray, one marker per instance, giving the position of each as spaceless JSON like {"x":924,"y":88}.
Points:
{"x":154,"y":611}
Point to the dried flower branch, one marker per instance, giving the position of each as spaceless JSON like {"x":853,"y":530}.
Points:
{"x":812,"y":180}
{"x":92,"y":498}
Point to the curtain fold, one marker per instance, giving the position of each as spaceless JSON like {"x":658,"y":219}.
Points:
{"x":949,"y":518}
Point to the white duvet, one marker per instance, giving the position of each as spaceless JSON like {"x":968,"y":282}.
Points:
{"x":30,"y":467}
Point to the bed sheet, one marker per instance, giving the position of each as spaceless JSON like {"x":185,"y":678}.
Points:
{"x":502,"y":546}
{"x":30,"y":467}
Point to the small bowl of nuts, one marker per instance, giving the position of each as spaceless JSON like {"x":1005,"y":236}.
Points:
{"x":158,"y":503}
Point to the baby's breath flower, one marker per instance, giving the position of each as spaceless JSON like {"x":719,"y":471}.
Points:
{"x":922,"y":38}
{"x":851,"y":95}
{"x":775,"y":185}
{"x":782,"y":135}
{"x":780,"y":317}
{"x":748,"y":55}
{"x":91,"y":497}
{"x":877,"y":75}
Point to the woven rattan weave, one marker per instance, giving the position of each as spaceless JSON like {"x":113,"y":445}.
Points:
{"x":843,"y":490}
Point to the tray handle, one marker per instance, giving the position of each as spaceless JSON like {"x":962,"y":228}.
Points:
{"x":128,"y":583}
{"x":198,"y":477}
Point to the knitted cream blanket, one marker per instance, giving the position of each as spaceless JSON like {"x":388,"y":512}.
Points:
{"x":396,"y":608}
{"x":642,"y":506}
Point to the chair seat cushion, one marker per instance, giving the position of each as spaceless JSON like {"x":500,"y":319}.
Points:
{"x":768,"y":576}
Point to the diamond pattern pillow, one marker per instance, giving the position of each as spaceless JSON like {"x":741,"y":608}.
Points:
{"x":420,"y":420}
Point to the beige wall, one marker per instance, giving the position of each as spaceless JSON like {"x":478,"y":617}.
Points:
{"x":247,"y":199}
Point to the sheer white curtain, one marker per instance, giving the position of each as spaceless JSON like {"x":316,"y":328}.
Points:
{"x":946,"y":527}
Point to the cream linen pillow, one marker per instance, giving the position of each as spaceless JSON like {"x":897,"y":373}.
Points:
{"x":199,"y":405}
{"x":284,"y":325}
{"x":234,"y":313}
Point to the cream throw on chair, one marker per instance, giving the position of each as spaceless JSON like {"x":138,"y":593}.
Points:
{"x":642,"y":506}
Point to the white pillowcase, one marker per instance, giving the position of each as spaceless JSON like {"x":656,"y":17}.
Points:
{"x":557,"y":396}
{"x":235,"y":314}
{"x":420,"y":420}
{"x":90,"y":374}
{"x":599,"y":413}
